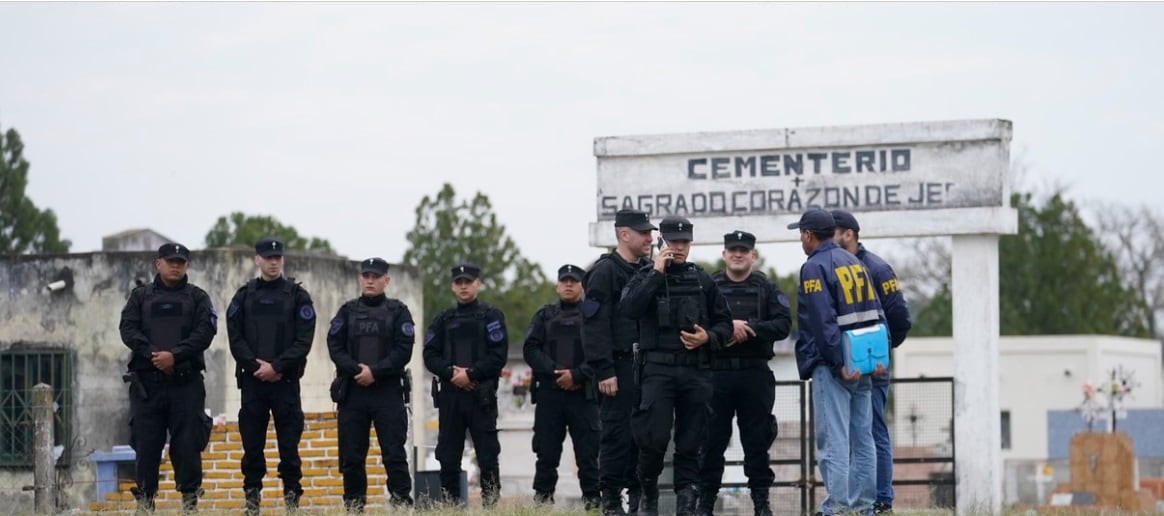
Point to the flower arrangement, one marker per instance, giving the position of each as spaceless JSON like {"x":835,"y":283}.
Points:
{"x":1114,"y":390}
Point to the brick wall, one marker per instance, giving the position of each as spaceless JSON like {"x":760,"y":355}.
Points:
{"x":222,"y":478}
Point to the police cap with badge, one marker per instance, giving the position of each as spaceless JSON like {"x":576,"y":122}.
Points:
{"x":375,"y":266}
{"x":739,"y":239}
{"x":573,"y":272}
{"x":634,"y":219}
{"x":174,"y":251}
{"x":269,"y":247}
{"x":674,"y":227}
{"x":465,"y":271}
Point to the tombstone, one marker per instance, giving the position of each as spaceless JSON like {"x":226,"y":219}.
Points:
{"x":1103,"y":473}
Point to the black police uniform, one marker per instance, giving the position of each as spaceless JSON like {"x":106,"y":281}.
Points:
{"x":377,"y":332}
{"x":179,"y":319}
{"x":608,"y":339}
{"x":554,"y":342}
{"x":273,"y":321}
{"x":473,"y":336}
{"x":744,"y":386}
{"x":675,"y":383}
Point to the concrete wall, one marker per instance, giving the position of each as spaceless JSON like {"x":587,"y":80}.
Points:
{"x":84,"y":318}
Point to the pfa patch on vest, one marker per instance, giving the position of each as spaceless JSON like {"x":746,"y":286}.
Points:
{"x":407,"y":329}
{"x":306,"y":312}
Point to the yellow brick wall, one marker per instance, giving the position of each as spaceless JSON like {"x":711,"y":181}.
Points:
{"x":222,"y":477}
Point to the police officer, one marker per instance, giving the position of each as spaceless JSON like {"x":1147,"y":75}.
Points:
{"x":168,"y":325}
{"x":836,"y":295}
{"x":684,"y":322}
{"x":466,"y":347}
{"x":608,"y":338}
{"x":744,"y":386}
{"x":370,"y":340}
{"x":271,"y":323}
{"x":897,"y":317}
{"x":564,"y":393}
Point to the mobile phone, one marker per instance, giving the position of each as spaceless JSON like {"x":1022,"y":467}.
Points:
{"x":661,"y":243}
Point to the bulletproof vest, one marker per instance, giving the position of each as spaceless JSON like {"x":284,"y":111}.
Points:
{"x":679,"y":305}
{"x":465,"y":336}
{"x":745,"y":301}
{"x":370,"y":330}
{"x":270,"y":318}
{"x":564,"y":336}
{"x":624,"y":330}
{"x":167,"y":316}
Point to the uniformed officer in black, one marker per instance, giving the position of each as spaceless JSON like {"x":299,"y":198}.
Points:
{"x":608,"y":338}
{"x":271,"y":323}
{"x":167,"y":325}
{"x":744,"y":385}
{"x":683,"y":323}
{"x":564,"y":396}
{"x":370,"y":340}
{"x":466,"y":347}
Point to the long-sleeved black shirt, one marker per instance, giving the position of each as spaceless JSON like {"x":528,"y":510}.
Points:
{"x":604,"y":330}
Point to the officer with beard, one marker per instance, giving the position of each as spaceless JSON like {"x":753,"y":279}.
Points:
{"x":564,"y":393}
{"x":271,"y":324}
{"x":683,"y":323}
{"x":168,"y":324}
{"x":465,"y":348}
{"x":744,"y":385}
{"x":370,"y":341}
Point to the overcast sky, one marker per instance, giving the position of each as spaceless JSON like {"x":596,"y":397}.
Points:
{"x":338,"y":118}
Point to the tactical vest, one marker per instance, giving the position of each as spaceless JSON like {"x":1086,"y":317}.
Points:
{"x":679,"y":305}
{"x":167,"y":316}
{"x":624,"y":331}
{"x":370,"y":330}
{"x":564,"y":336}
{"x":270,"y":318}
{"x":746,"y":302}
{"x":465,"y":336}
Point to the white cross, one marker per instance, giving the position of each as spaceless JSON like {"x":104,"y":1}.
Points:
{"x":569,"y":268}
{"x":177,"y":249}
{"x":680,"y":226}
{"x":462,"y":268}
{"x":739,"y":236}
{"x":273,"y":245}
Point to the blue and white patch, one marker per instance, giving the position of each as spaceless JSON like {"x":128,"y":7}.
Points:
{"x":783,"y":300}
{"x":213,"y":317}
{"x":337,"y":324}
{"x":590,"y":308}
{"x":306,"y":312}
{"x":529,"y":331}
{"x":493,"y":326}
{"x":429,"y":336}
{"x":407,"y":329}
{"x":232,"y":309}
{"x":496,"y":336}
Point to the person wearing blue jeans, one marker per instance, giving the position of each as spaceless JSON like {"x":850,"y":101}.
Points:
{"x":836,"y":294}
{"x":896,"y":309}
{"x":844,"y":441}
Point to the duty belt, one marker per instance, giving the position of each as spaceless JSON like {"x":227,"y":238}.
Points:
{"x":675,"y":358}
{"x":738,"y":363}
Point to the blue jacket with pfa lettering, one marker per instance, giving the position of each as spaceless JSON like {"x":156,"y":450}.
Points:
{"x":836,"y":294}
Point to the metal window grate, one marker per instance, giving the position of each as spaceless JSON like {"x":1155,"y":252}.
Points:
{"x":20,"y":371}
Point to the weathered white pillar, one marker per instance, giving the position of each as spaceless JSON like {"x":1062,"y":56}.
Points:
{"x":977,"y":434}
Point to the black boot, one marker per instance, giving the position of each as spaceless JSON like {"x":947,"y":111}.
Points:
{"x":251,"y":498}
{"x":649,"y":501}
{"x":634,"y":497}
{"x":612,"y":503}
{"x":760,"y":503}
{"x":544,"y":497}
{"x":685,"y":501}
{"x":490,"y":487}
{"x":145,"y":502}
{"x":592,"y":501}
{"x":400,"y":501}
{"x":190,"y":502}
{"x":355,"y":505}
{"x":706,"y":505}
{"x":291,"y":500}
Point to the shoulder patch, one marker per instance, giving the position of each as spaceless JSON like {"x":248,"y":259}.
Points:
{"x":407,"y":329}
{"x":213,"y":317}
{"x":496,"y":336}
{"x":336,"y":325}
{"x":492,"y":327}
{"x":783,"y":300}
{"x":590,"y":308}
{"x":306,"y":312}
{"x":429,"y":336}
{"x":232,"y":309}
